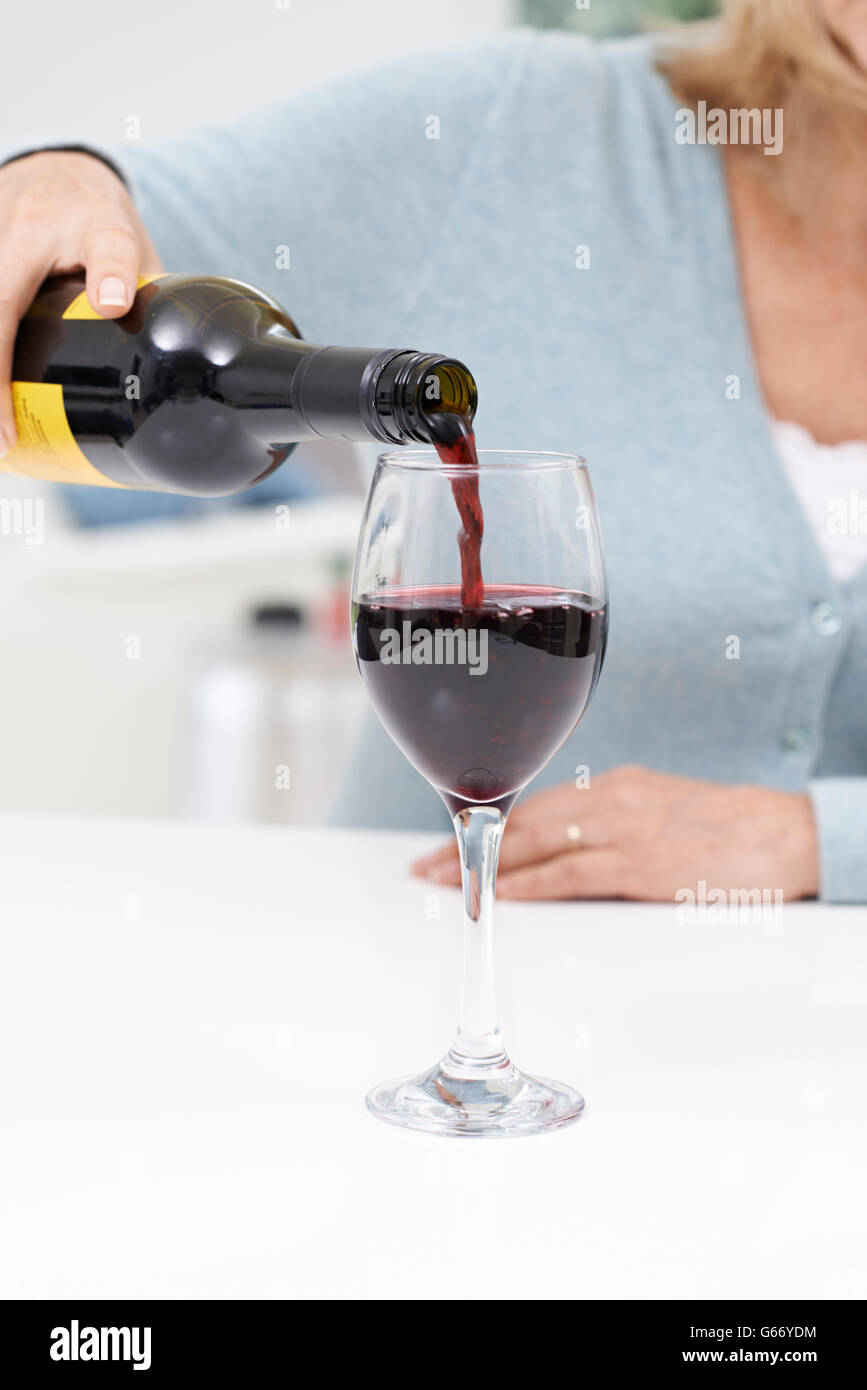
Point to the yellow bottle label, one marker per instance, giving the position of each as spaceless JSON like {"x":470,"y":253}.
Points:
{"x":46,"y":446}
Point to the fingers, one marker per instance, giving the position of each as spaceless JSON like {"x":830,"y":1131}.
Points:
{"x":20,"y":278}
{"x":111,"y":257}
{"x":597,"y":872}
{"x":545,"y":839}
{"x":593,"y":873}
{"x":150,"y":263}
{"x":442,"y":865}
{"x":564,"y":801}
{"x":61,"y":210}
{"x":537,"y":841}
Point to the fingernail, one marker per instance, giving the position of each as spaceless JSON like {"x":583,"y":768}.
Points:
{"x":112,"y":291}
{"x":6,"y":441}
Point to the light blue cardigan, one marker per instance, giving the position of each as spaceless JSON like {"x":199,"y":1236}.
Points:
{"x":467,"y":244}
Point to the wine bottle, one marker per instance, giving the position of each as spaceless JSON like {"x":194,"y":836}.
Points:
{"x":202,"y":388}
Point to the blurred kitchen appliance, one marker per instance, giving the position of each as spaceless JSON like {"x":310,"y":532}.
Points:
{"x":274,"y":711}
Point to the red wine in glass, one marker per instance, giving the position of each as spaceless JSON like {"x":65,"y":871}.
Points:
{"x":481,"y":725}
{"x":543,"y":651}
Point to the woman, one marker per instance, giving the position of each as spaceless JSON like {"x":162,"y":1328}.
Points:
{"x":691,"y":316}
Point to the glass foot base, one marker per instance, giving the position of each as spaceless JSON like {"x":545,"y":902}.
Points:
{"x":482,"y":1102}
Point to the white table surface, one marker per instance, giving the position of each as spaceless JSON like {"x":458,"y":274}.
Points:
{"x":190,"y":1016}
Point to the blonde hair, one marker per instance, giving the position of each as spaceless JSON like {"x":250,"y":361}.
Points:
{"x":767,"y":53}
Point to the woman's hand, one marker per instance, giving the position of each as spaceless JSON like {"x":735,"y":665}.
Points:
{"x":61,"y":212}
{"x":646,"y":835}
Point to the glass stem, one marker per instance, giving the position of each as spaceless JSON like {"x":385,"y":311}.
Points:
{"x":478,"y":1045}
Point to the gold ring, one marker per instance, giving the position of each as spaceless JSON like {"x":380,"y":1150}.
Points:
{"x":573,"y":833}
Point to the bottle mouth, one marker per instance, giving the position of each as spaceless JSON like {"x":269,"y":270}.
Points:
{"x":411,"y":386}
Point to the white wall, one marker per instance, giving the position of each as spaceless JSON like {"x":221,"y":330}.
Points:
{"x":80,"y":69}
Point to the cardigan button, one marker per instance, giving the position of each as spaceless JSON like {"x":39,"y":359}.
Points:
{"x":825,"y":619}
{"x":794,"y":737}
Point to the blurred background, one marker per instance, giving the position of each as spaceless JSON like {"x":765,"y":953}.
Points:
{"x":162,"y":656}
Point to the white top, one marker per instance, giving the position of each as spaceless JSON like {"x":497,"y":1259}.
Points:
{"x":191,"y":1016}
{"x":831,"y":483}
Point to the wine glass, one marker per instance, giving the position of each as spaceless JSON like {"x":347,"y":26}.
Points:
{"x":479,"y":696}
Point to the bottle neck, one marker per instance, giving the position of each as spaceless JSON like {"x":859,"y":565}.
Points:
{"x":299,"y":390}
